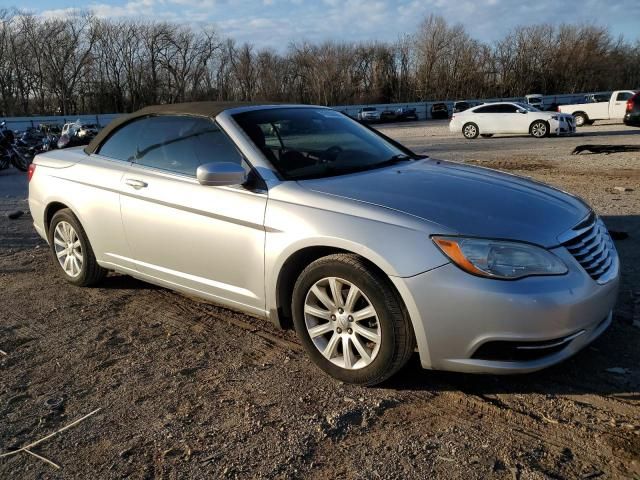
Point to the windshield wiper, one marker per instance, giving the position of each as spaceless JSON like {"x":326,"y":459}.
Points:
{"x":334,"y":170}
{"x":399,"y":158}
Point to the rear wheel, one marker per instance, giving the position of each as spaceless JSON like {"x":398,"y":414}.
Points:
{"x":470,"y":130}
{"x":351,"y":321}
{"x":539,"y":129}
{"x":72,"y":250}
{"x":581,"y":119}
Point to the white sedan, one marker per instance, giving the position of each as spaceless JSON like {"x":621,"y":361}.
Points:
{"x":510,"y":117}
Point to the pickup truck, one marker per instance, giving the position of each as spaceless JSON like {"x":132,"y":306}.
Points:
{"x":587,"y":113}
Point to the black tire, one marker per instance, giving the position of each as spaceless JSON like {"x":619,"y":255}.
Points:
{"x":397,"y":342}
{"x":90,"y":273}
{"x":581,"y":119}
{"x":470,"y":130}
{"x":539,"y":129}
{"x":21,"y":161}
{"x":486,"y":135}
{"x":5,"y":161}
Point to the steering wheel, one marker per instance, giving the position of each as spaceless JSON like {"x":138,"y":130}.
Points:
{"x":332,"y":152}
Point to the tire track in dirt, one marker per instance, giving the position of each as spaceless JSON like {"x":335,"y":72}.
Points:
{"x":284,"y":341}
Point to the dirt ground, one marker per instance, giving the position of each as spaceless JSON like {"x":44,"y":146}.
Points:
{"x":190,"y":390}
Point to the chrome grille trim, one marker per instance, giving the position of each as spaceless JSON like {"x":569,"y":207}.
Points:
{"x":593,"y":249}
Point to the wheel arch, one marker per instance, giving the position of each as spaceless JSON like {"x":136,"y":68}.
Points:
{"x":546,"y":122}
{"x":293,"y":267}
{"x":475,"y":124}
{"x":51,"y":209}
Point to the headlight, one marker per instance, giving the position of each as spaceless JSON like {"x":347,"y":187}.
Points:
{"x":499,"y":259}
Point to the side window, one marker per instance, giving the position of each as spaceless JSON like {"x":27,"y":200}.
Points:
{"x":121,"y":145}
{"x":488,"y":109}
{"x":180,"y":144}
{"x":623,"y":96}
{"x":507,"y":108}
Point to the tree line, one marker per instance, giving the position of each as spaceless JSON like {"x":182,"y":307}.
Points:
{"x":84,"y":64}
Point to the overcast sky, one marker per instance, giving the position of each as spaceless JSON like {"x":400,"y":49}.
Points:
{"x":275,"y":23}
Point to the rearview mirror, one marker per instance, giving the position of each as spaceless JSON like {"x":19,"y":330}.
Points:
{"x":218,"y":174}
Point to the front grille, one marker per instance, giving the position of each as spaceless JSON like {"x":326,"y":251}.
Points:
{"x":593,"y":248}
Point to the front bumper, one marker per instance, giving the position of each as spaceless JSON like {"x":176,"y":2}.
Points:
{"x":455,"y":314}
{"x":563,"y":126}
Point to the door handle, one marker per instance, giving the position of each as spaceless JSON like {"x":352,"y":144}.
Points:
{"x":137,"y":184}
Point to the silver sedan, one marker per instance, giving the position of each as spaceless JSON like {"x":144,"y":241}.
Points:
{"x":305,"y":217}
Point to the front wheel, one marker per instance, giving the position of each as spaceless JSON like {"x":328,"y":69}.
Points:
{"x":72,"y":250}
{"x":351,"y":321}
{"x":470,"y":131}
{"x":539,"y":129}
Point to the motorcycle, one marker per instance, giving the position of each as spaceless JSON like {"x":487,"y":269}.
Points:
{"x":13,"y":152}
{"x":76,"y":133}
{"x":41,"y":139}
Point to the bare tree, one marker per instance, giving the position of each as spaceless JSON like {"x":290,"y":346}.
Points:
{"x":83,"y":64}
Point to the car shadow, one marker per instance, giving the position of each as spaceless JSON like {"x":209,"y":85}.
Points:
{"x":589,"y":371}
{"x":578,"y":134}
{"x":607,"y":133}
{"x":117,"y":281}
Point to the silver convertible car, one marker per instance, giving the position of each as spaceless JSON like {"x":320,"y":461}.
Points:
{"x":303,"y":216}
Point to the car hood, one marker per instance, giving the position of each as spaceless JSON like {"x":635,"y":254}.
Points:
{"x":469,"y":200}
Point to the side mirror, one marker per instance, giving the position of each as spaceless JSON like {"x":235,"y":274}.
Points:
{"x":522,"y":110}
{"x":221,"y":173}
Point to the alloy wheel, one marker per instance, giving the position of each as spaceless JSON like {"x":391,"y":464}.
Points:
{"x":470,"y":131}
{"x":68,"y":249}
{"x":342,"y":323}
{"x":539,"y":129}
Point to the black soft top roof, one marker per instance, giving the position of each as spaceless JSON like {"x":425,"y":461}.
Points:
{"x":203,"y":109}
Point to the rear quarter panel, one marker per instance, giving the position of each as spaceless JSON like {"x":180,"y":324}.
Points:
{"x":89,"y":186}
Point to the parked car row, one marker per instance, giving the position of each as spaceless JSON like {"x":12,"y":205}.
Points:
{"x":438,"y":111}
{"x":486,"y":120}
{"x":489,"y":119}
{"x":612,"y":108}
{"x":373,"y":115}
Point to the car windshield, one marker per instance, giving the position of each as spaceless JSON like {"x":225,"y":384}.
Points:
{"x":304,"y":143}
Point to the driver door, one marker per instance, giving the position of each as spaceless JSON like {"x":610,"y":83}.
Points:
{"x":619,"y":107}
{"x":512,"y":120}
